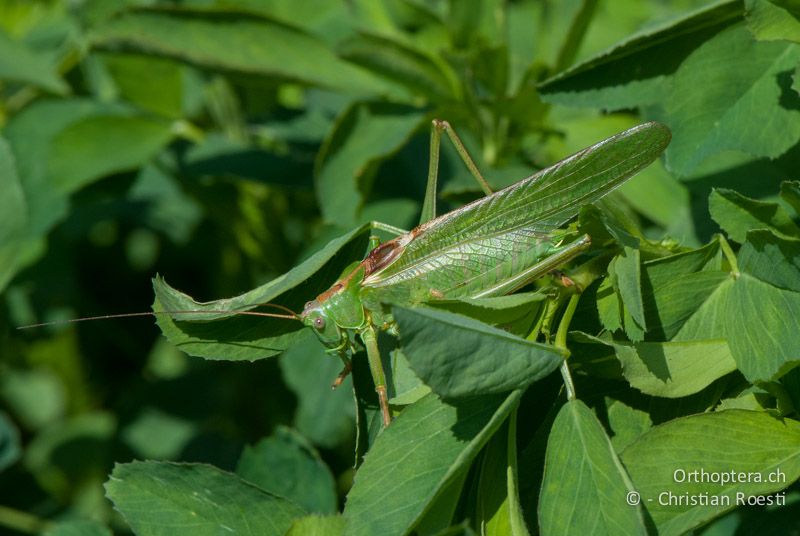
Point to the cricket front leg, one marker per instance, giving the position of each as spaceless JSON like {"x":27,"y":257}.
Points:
{"x":370,"y":339}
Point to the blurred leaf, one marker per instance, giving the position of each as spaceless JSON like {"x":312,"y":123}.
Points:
{"x":736,"y":75}
{"x":92,"y":148}
{"x":159,"y":498}
{"x":458,"y":356}
{"x":318,"y":526}
{"x":10,"y":448}
{"x":737,"y":215}
{"x":772,"y":20}
{"x":324,"y":416}
{"x":37,"y":397}
{"x":424,"y":449}
{"x":32,"y":135}
{"x":218,"y":155}
{"x":239,"y":42}
{"x":19,"y":63}
{"x":13,"y":214}
{"x":636,"y":72}
{"x":72,"y":453}
{"x":584,"y":485}
{"x":241,"y":337}
{"x":157,"y":435}
{"x":401,"y":63}
{"x":286,"y":465}
{"x":749,"y":441}
{"x":133,"y":75}
{"x":78,"y":528}
{"x":363,"y":136}
{"x":169,"y":208}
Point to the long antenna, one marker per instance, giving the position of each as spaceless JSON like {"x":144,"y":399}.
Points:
{"x":291,"y":316}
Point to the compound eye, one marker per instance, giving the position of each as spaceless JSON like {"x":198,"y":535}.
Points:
{"x":319,"y":323}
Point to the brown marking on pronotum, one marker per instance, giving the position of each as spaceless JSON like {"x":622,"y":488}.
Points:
{"x":438,"y":294}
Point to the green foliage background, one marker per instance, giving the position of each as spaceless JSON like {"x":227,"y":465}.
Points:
{"x":220,"y":143}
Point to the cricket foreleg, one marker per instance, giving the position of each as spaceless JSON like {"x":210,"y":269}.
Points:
{"x":370,"y":339}
{"x":346,"y":370}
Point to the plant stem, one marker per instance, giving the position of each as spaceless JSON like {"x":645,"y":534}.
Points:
{"x":561,"y":343}
{"x":22,"y":521}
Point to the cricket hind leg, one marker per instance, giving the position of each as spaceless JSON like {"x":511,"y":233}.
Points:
{"x":438,"y":126}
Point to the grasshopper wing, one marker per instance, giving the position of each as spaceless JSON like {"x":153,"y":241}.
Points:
{"x":488,"y":240}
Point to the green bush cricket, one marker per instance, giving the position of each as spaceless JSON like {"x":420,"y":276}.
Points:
{"x":490,"y":247}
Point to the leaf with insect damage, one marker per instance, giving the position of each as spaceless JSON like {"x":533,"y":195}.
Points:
{"x":224,"y":335}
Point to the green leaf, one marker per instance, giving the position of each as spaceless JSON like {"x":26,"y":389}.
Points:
{"x":584,"y":485}
{"x":772,"y":259}
{"x":132,"y":75}
{"x":159,"y":498}
{"x":673,"y":303}
{"x":719,"y":87}
{"x":459,"y":356}
{"x":758,"y":320}
{"x":727,"y":443}
{"x":637,"y":71}
{"x":19,"y":63}
{"x":32,"y":135}
{"x":78,"y":528}
{"x":155,"y":434}
{"x":13,"y":214}
{"x":72,"y":452}
{"x":236,"y":42}
{"x":428,"y":446}
{"x":363,"y":136}
{"x":627,"y":423}
{"x":628,"y":282}
{"x":674,"y":369}
{"x":323,"y":415}
{"x":94,"y":147}
{"x":737,"y":214}
{"x":241,"y":337}
{"x":496,"y":310}
{"x":403,"y":64}
{"x":609,"y":305}
{"x":318,"y":526}
{"x":772,"y":20}
{"x":498,"y":509}
{"x":286,"y":465}
{"x":790,"y":193}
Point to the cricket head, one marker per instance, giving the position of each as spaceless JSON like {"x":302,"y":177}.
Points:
{"x":316,"y":316}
